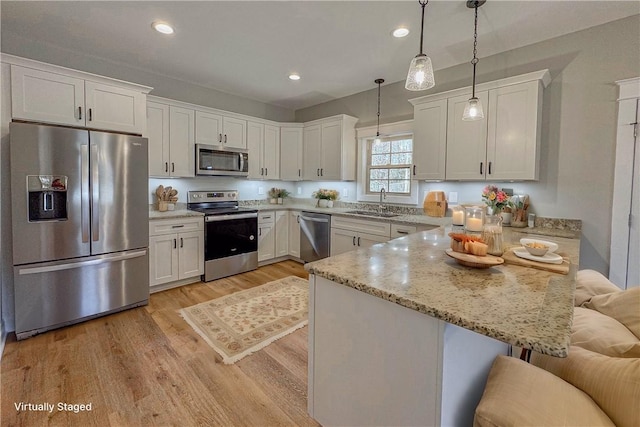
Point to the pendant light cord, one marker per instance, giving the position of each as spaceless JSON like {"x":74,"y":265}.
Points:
{"x":474,"y":61}
{"x":423,"y":4}
{"x":379,"y":82}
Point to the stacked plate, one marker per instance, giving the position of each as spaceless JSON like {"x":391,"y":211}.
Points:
{"x":550,"y":257}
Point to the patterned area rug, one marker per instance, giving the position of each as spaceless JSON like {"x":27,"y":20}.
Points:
{"x":239,"y":324}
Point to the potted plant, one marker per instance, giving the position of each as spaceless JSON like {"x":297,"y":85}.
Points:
{"x":325,"y":197}
{"x":276,"y":195}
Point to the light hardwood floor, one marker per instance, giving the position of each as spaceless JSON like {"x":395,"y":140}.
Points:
{"x":146,"y":367}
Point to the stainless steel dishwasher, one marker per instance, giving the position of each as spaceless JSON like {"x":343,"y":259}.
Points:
{"x":315,"y":230}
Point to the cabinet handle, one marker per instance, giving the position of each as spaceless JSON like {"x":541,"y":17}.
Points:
{"x":219,"y":137}
{"x":259,"y":231}
{"x":261,"y":171}
{"x":489,"y":168}
{"x":90,"y":114}
{"x":354,"y":240}
{"x":173,"y":167}
{"x":481,"y":169}
{"x":266,"y":171}
{"x":321,"y":172}
{"x":298,"y":219}
{"x":299,"y":172}
{"x":175,"y":243}
{"x":414,"y":170}
{"x":402,"y":232}
{"x":177,"y":226}
{"x":225,"y":138}
{"x":79,"y":113}
{"x":358,"y":241}
{"x":181,"y":242}
{"x":166,"y":166}
{"x":318,"y":172}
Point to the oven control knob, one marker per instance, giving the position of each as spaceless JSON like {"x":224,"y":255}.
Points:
{"x":252,"y":237}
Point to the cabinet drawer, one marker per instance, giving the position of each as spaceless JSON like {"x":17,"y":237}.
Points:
{"x":266,"y":217}
{"x":165,"y":226}
{"x":399,"y":230}
{"x":361,"y":225}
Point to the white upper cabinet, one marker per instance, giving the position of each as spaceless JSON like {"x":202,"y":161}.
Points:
{"x":329,"y":152}
{"x":466,"y":141}
{"x":171,"y":141}
{"x":513,"y":137}
{"x":290,"y":153}
{"x":223,"y":131}
{"x":430,"y":140}
{"x":263,"y":142}
{"x":505,"y":145}
{"x":50,"y":95}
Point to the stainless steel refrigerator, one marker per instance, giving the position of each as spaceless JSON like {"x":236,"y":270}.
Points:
{"x":80,"y":224}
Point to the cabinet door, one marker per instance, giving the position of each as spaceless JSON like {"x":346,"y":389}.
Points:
{"x":190,"y":254}
{"x":290,"y":154}
{"x":282,"y":233}
{"x":364,"y":240}
{"x":294,"y":234}
{"x":47,"y":97}
{"x":158,"y":135}
{"x":430,"y":140}
{"x":208,"y":128}
{"x":271,"y":152}
{"x":234,"y":132}
{"x":311,"y":153}
{"x":181,"y":143}
{"x":163,"y":259}
{"x":255,"y":140}
{"x":514,"y":132}
{"x":331,"y":151}
{"x":342,"y":241}
{"x":266,"y":242}
{"x":114,"y":108}
{"x":466,"y":141}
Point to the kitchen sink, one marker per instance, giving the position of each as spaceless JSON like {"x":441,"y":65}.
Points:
{"x":374,"y":213}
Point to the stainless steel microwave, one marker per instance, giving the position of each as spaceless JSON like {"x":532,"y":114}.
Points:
{"x":212,"y":160}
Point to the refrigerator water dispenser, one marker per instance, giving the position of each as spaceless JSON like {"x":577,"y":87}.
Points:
{"x":47,"y":197}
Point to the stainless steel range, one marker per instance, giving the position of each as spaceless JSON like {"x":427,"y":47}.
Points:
{"x":230,"y":233}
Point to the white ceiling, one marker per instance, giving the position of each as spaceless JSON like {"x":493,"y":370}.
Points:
{"x":338,"y":47}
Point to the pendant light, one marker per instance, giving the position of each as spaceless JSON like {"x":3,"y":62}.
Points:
{"x":420,"y":76}
{"x":378,"y":82}
{"x":473,"y":109}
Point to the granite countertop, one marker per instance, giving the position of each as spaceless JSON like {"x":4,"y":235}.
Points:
{"x":178,"y":213}
{"x":399,"y":219}
{"x":522,"y":306}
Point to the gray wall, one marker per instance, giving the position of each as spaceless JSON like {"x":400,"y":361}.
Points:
{"x":578,"y":128}
{"x":163,"y":86}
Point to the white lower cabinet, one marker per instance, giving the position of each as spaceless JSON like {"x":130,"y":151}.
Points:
{"x":282,"y":233}
{"x":266,"y":236}
{"x":348,"y":234}
{"x":176,"y":250}
{"x":294,"y":233}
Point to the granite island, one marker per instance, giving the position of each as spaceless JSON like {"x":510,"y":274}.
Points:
{"x":400,"y":334}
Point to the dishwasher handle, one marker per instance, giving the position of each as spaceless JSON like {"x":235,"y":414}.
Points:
{"x":308,"y":218}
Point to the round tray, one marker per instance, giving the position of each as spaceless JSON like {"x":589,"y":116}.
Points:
{"x":474,"y":261}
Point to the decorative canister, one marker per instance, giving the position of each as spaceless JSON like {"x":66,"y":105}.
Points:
{"x":492,"y":234}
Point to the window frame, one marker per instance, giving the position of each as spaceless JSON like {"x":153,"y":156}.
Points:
{"x":388,"y":166}
{"x":388,"y":130}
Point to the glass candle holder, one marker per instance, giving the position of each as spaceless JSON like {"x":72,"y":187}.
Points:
{"x":474,"y":219}
{"x":457,"y":215}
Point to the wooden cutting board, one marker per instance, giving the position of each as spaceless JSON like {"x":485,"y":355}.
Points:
{"x":511,"y":258}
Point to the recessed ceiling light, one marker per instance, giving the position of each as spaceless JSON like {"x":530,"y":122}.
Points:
{"x":162,"y":27}
{"x":400,"y":32}
{"x":294,"y":76}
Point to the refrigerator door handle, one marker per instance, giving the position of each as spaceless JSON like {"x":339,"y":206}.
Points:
{"x":84,"y":192}
{"x":95,"y":197}
{"x":70,"y":265}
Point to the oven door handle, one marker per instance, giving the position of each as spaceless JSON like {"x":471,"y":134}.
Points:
{"x":214,"y":218}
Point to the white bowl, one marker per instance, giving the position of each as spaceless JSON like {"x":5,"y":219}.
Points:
{"x":537,"y":250}
{"x":551,"y":245}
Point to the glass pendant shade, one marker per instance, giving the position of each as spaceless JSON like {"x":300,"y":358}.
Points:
{"x":473,"y":110}
{"x":420,"y":76}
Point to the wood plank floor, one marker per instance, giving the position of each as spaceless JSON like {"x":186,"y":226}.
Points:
{"x":146,"y":367}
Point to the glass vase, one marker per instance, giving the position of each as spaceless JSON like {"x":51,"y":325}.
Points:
{"x":492,"y":234}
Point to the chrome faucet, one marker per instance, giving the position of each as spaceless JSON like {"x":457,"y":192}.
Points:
{"x":383,"y":195}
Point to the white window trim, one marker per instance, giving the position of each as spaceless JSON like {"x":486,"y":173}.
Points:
{"x":364,"y":134}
